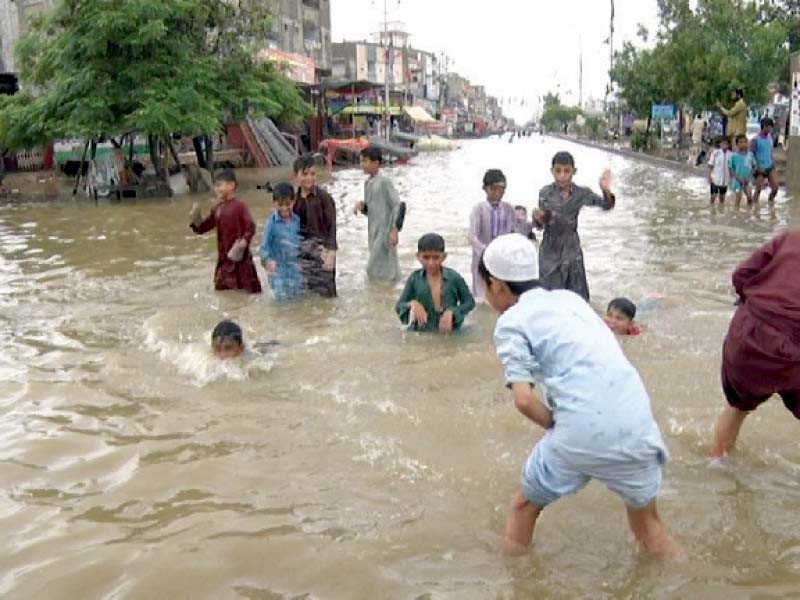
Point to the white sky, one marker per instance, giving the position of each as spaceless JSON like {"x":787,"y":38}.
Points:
{"x":516,"y":48}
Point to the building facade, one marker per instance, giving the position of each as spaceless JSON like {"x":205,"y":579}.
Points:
{"x":303,"y":27}
{"x":14,"y":17}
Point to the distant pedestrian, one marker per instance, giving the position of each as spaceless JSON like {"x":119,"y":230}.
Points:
{"x":560,"y":256}
{"x":761,"y":147}
{"x":698,"y":131}
{"x":383,"y":209}
{"x":761,"y":353}
{"x":719,"y":174}
{"x":235,"y":229}
{"x":737,"y":114}
{"x":280,"y":247}
{"x":489,"y":219}
{"x":742,"y":166}
{"x":317,"y":212}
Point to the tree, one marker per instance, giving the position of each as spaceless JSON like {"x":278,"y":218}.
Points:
{"x":95,"y":68}
{"x":702,"y":54}
{"x":557,"y":116}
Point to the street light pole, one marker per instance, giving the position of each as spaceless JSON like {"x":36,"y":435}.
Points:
{"x":387,"y":120}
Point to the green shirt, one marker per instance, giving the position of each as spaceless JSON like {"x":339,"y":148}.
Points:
{"x":455,"y":297}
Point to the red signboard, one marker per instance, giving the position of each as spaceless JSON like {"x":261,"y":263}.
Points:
{"x":296,"y":67}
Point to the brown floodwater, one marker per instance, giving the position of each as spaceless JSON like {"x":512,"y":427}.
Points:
{"x":356,"y":460}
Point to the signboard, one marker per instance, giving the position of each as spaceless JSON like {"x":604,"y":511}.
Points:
{"x":296,"y":67}
{"x":663,"y":112}
{"x":794,"y":116}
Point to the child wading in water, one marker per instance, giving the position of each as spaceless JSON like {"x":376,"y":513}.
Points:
{"x":560,"y":255}
{"x":620,"y":316}
{"x":742,"y":164}
{"x":235,"y":228}
{"x":719,"y":174}
{"x":598,"y":420}
{"x":761,"y":147}
{"x":761,"y":353}
{"x":435,"y":298}
{"x":383,"y":209}
{"x":281,"y":246}
{"x":317,"y":213}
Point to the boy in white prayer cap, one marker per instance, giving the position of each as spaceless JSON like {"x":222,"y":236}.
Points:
{"x":596,"y":413}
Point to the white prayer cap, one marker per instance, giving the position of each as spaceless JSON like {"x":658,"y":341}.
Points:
{"x":512,"y":257}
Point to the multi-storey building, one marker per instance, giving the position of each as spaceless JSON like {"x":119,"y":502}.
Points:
{"x":303,"y":27}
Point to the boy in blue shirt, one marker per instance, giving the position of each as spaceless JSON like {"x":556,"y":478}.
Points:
{"x":742,"y":164}
{"x":761,"y":147}
{"x":281,"y":246}
{"x":435,"y":298}
{"x":597,"y":413}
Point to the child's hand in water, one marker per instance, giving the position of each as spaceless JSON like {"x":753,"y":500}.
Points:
{"x":418,"y":314}
{"x":236,"y":253}
{"x":271,"y":266}
{"x":605,"y":181}
{"x":446,"y":322}
{"x":195,"y":215}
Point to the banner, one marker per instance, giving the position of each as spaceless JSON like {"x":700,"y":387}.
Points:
{"x":663,"y":112}
{"x":296,"y":67}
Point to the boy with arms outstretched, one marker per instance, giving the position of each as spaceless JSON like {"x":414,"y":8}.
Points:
{"x":597,"y":418}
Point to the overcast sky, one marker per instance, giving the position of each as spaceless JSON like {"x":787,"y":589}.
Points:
{"x":516,"y":48}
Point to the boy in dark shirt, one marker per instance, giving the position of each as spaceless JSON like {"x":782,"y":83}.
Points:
{"x":317,"y":213}
{"x":435,"y":298}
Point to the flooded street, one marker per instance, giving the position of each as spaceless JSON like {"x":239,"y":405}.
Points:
{"x":356,"y":460}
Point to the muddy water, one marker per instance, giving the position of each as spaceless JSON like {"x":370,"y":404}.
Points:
{"x":355,"y":460}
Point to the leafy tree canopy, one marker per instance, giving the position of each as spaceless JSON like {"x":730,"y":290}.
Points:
{"x":103,"y":67}
{"x":703,"y":53}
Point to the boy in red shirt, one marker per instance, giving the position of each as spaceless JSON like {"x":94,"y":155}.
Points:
{"x":235,"y":228}
{"x":761,"y":354}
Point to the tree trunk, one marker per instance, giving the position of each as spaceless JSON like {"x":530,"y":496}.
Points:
{"x":198,"y":150}
{"x":152,"y":143}
{"x":80,"y":168}
{"x":210,"y":156}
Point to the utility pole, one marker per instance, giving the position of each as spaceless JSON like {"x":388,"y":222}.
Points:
{"x":580,"y":72}
{"x":610,"y":56}
{"x":387,"y":118}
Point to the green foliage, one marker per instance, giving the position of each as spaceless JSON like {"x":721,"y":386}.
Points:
{"x":594,"y":127}
{"x":557,"y":117}
{"x":701,"y":55}
{"x":104,"y":67}
{"x":551,"y":99}
{"x":644,"y":141}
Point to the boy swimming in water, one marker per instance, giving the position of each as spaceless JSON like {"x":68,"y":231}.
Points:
{"x":560,"y":256}
{"x":597,"y":415}
{"x":227,"y":340}
{"x":435,"y":298}
{"x":620,"y":316}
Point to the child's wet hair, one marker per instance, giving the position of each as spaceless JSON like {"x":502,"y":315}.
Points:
{"x":226,"y":175}
{"x":373,"y":153}
{"x":493,"y":176}
{"x":227,"y":331}
{"x":283,"y":191}
{"x":516,"y":287}
{"x":767,"y":122}
{"x":623,"y":305}
{"x":303,"y":162}
{"x":563,"y":158}
{"x":430,"y":242}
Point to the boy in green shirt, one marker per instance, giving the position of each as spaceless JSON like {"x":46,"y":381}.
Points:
{"x":435,"y":298}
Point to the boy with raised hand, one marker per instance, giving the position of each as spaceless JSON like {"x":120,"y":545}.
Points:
{"x":560,"y":255}
{"x":435,"y":298}
{"x":597,"y":414}
{"x":235,"y":229}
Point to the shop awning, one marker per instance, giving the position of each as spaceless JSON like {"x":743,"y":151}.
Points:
{"x":369,"y":110}
{"x":419,"y":114}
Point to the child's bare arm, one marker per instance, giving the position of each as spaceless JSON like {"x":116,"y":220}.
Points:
{"x":526,"y":399}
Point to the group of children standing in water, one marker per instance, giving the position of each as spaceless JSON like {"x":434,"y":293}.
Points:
{"x":594,"y":408}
